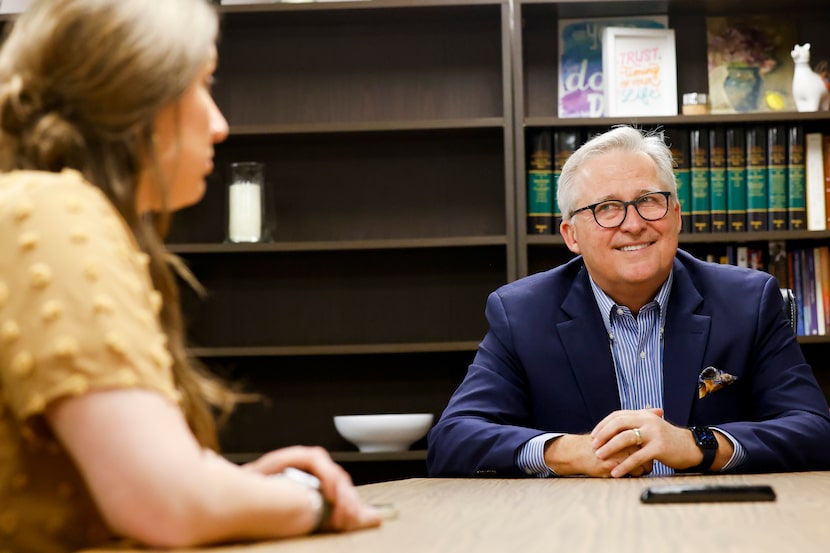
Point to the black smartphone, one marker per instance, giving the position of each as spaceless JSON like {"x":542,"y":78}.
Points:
{"x":696,"y":493}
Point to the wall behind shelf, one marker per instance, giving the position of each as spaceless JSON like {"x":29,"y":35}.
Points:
{"x":424,"y":63}
{"x":343,"y":297}
{"x":304,"y":394}
{"x":439,"y":183}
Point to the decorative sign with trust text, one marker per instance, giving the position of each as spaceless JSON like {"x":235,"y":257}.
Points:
{"x":640,"y":71}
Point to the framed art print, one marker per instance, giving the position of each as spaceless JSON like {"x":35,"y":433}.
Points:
{"x":640,"y":72}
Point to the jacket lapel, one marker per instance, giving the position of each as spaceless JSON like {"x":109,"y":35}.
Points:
{"x":587,"y":347}
{"x":686,"y":334}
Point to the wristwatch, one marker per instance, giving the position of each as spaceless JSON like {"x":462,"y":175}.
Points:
{"x":319,"y":504}
{"x":708,"y":444}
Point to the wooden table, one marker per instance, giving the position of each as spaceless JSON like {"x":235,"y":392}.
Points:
{"x":578,"y":514}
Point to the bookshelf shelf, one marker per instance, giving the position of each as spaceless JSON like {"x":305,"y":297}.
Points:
{"x":398,"y":126}
{"x":346,"y":456}
{"x":685,"y":120}
{"x":337,"y":245}
{"x":334,"y":349}
{"x":712,"y":238}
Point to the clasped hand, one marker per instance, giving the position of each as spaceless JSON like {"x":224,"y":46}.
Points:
{"x":625,"y":443}
{"x":349,"y":512}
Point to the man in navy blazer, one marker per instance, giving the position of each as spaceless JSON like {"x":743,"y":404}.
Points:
{"x":634,"y":358}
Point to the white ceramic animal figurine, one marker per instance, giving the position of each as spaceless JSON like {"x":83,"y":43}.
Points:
{"x":810,"y":90}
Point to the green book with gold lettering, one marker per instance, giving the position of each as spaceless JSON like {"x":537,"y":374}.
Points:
{"x":717,"y":179}
{"x":540,"y":184}
{"x":699,"y":171}
{"x":756,"y":178}
{"x":736,"y":179}
{"x":777,"y":177}
{"x":677,"y":139}
{"x":796,"y":179}
{"x":566,"y":141}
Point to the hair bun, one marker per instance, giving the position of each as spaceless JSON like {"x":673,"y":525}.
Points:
{"x":44,"y":135}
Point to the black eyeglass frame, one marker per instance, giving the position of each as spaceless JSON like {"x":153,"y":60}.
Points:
{"x":592,"y":208}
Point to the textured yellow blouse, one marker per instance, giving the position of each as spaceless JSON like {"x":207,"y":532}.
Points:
{"x":77,"y":313}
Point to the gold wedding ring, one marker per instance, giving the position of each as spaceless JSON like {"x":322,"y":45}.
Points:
{"x":638,"y":435}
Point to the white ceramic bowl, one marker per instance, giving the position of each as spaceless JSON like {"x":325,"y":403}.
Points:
{"x":371,"y":433}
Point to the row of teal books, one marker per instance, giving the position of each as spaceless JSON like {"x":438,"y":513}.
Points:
{"x":729,"y":178}
{"x":741,"y":178}
{"x":806,"y":271}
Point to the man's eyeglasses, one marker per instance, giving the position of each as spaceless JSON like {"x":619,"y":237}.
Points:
{"x":611,"y":213}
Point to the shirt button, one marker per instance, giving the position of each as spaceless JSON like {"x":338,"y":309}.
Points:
{"x":642,"y":355}
{"x":619,"y":311}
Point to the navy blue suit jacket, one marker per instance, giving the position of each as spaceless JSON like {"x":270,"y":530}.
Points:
{"x":545,"y":365}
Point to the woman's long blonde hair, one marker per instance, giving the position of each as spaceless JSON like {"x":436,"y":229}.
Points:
{"x":80,"y":84}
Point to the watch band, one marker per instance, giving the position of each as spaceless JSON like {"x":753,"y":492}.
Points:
{"x":708,"y":444}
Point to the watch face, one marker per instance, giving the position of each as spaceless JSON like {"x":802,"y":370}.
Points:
{"x":705,"y":437}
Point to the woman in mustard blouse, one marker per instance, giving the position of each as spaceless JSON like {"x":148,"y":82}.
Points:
{"x":106,"y":125}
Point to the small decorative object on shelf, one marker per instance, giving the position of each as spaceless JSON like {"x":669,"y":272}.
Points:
{"x":811,"y":90}
{"x":695,"y":103}
{"x":247,"y":200}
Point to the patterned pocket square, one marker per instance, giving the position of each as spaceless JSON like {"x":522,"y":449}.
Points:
{"x":711,"y":380}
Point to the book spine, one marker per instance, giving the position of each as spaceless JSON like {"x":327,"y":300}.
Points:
{"x":824,"y":255}
{"x":777,"y":262}
{"x":826,"y":157}
{"x":742,"y":256}
{"x":814,"y":163}
{"x":731,"y":256}
{"x":756,"y":178}
{"x":796,"y":180}
{"x":798,"y":291}
{"x":701,"y":203}
{"x":808,"y":275}
{"x":818,"y":277}
{"x":565,"y":143}
{"x":540,"y":184}
{"x":717,"y":179}
{"x":677,"y":139}
{"x":756,"y":259}
{"x":777,"y":177}
{"x":736,"y":178}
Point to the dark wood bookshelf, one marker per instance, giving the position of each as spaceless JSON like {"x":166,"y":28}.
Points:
{"x":393,"y":137}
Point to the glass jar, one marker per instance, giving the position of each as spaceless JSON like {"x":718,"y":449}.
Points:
{"x":247,"y":203}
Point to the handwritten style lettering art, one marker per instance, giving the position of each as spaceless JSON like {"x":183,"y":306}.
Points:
{"x":711,"y":380}
{"x":581,"y":82}
{"x":640,"y":71}
{"x":639,"y":79}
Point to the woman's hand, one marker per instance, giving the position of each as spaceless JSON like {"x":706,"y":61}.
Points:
{"x":349,"y":512}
